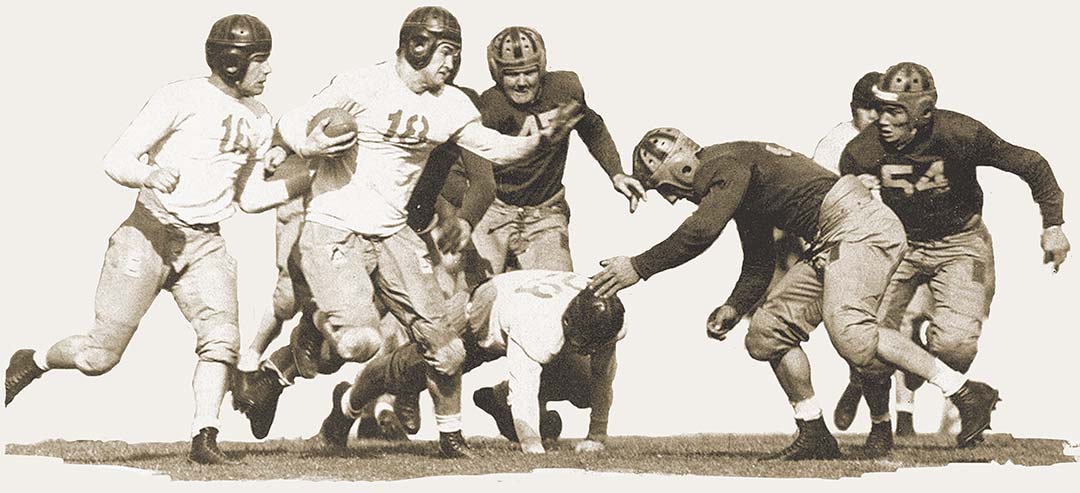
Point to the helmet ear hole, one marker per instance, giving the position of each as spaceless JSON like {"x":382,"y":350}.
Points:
{"x":687,"y":169}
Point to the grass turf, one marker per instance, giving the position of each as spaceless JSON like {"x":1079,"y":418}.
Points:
{"x":711,"y":455}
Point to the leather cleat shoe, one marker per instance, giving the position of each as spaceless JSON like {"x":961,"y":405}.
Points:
{"x":335,"y":428}
{"x":550,"y":425}
{"x":452,"y":446}
{"x":306,"y":343}
{"x":812,"y":442}
{"x":484,"y":398}
{"x":21,"y":371}
{"x":407,"y":408}
{"x":204,"y":449}
{"x":847,"y":407}
{"x":879,"y":443}
{"x":975,"y":401}
{"x":905,"y":424}
{"x":257,"y":395}
{"x":367,"y":428}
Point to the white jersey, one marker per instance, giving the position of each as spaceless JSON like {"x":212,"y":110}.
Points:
{"x":524,"y":321}
{"x":827,"y":153}
{"x":203,"y":134}
{"x":366,"y":190}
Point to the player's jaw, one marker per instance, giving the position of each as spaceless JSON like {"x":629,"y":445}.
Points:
{"x":521,"y":86}
{"x":254,"y":81}
{"x":442,"y":66}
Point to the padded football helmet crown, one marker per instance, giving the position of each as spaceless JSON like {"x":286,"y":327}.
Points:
{"x":233,"y":41}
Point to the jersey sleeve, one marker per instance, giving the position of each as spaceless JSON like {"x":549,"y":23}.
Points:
{"x":524,"y":393}
{"x":494,"y":146}
{"x":757,"y":266}
{"x":602,"y":367}
{"x":293,"y":125}
{"x":154,"y":122}
{"x":701,"y":229}
{"x":1029,"y":165}
{"x":593,"y":131}
{"x":851,"y":160}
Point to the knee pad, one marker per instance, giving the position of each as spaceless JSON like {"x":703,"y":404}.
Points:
{"x":954,"y":339}
{"x":218,"y":343}
{"x":358,"y":344}
{"x":94,"y":361}
{"x":762,"y":338}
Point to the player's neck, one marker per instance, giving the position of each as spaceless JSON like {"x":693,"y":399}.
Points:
{"x":229,"y":90}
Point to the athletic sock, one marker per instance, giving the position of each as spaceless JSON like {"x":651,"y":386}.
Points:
{"x":946,"y":379}
{"x":41,"y":360}
{"x":449,"y":423}
{"x":807,"y":409}
{"x":346,"y":406}
{"x":382,"y":405}
{"x":880,"y":419}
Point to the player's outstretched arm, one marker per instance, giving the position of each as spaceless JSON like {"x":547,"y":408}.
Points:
{"x":603,"y":366}
{"x":524,"y":397}
{"x":505,"y":149}
{"x":257,"y":193}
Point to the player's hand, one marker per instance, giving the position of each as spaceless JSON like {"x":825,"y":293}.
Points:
{"x":629,"y":187}
{"x":721,"y":321}
{"x":532,"y":446}
{"x":871,"y":182}
{"x":163,"y":180}
{"x":320,"y":144}
{"x":454,"y":235}
{"x":1055,"y":246}
{"x":588,"y":446}
{"x":618,"y":274}
{"x":568,"y":115}
{"x":274,"y":157}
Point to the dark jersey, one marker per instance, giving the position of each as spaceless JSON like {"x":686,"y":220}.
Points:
{"x":762,"y":186}
{"x":931,"y":183}
{"x":459,"y":176}
{"x":537,"y":179}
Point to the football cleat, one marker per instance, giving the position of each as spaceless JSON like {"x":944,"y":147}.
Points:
{"x":879,"y":443}
{"x":484,"y":398}
{"x":335,"y":428}
{"x":812,"y":442}
{"x":407,"y":408}
{"x":550,"y":425}
{"x":975,"y":401}
{"x":452,"y":446}
{"x":306,"y":343}
{"x":847,"y":407}
{"x":905,"y":424}
{"x":204,"y":449}
{"x":256,"y":394}
{"x":21,"y":371}
{"x":367,"y":428}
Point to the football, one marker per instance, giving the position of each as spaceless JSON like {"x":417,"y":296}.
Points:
{"x":341,"y":122}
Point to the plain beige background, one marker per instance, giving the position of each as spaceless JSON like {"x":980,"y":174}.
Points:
{"x":77,"y":73}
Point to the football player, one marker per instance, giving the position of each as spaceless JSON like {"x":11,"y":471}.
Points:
{"x":184,"y":152}
{"x":923,"y":160}
{"x":559,"y":339}
{"x":864,"y":112}
{"x":527,"y":224}
{"x":855,"y":241}
{"x":355,"y":221}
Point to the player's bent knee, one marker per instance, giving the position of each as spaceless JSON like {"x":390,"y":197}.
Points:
{"x":96,"y":361}
{"x":357,"y":345}
{"x":761,"y":341}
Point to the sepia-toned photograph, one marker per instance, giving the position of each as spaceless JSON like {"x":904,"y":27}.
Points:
{"x":483,"y":245}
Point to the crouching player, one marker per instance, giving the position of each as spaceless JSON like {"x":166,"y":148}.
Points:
{"x":559,"y":339}
{"x":856,"y":243}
